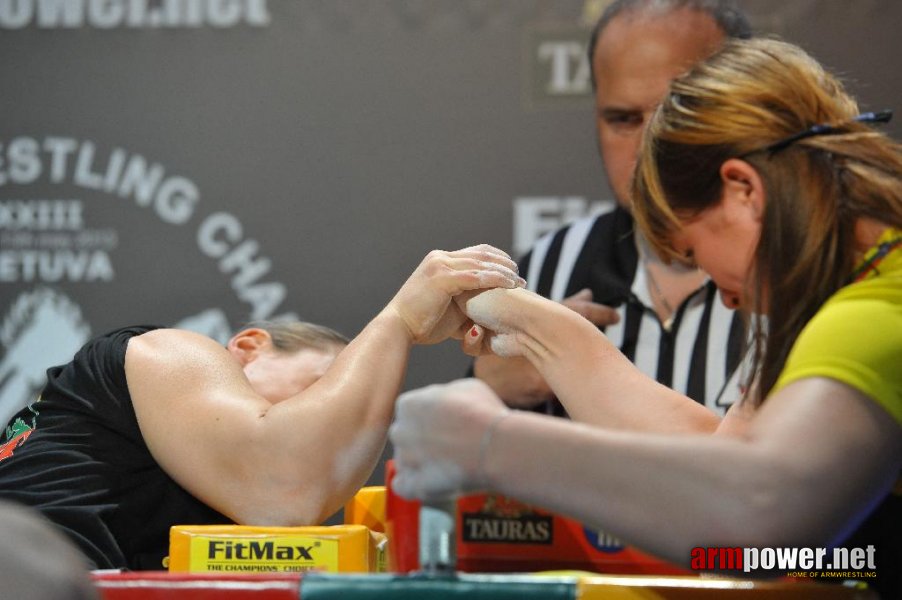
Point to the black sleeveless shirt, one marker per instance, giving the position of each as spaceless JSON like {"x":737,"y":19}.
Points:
{"x":78,"y":456}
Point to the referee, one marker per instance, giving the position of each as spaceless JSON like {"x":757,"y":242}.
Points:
{"x":666,"y":319}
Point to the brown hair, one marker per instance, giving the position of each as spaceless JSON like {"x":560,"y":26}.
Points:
{"x":746,"y":97}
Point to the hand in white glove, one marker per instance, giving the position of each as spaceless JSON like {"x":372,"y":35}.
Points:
{"x":440,"y":436}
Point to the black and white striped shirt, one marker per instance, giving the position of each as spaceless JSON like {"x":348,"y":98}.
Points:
{"x":700,"y":354}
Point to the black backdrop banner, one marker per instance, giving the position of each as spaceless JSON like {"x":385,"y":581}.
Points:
{"x":202,"y":163}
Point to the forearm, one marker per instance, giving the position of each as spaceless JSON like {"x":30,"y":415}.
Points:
{"x":812,"y":462}
{"x":664,"y":494}
{"x":592,"y":378}
{"x":329,"y":438}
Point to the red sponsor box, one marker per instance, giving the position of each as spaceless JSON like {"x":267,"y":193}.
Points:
{"x":498,"y":534}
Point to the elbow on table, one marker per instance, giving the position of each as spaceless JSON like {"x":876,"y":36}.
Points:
{"x":269,"y":493}
{"x":297,"y":507}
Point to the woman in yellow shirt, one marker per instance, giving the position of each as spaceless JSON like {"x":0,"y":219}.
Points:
{"x":759,"y":169}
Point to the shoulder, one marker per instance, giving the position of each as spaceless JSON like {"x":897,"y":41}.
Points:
{"x":861,"y":314}
{"x":855,"y":338}
{"x":173,"y":349}
{"x":171,"y":369}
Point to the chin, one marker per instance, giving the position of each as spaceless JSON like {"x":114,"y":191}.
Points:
{"x":731,"y":299}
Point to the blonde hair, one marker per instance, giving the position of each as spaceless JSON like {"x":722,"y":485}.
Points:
{"x":293,"y":336}
{"x":745,"y":98}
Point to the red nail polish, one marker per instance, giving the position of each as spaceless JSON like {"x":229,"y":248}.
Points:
{"x":473,"y":331}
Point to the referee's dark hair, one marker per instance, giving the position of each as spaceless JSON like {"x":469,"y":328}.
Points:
{"x":731,"y":20}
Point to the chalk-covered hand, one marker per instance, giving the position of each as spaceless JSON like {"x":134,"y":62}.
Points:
{"x":494,"y":314}
{"x":499,"y":325}
{"x":440,"y":435}
{"x":424,"y":301}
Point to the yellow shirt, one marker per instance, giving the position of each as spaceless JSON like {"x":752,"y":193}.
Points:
{"x":856,"y":336}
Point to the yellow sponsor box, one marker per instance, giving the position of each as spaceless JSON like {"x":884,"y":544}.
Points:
{"x":246,"y":549}
{"x":367,"y":508}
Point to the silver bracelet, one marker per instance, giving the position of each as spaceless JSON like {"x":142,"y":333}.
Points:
{"x":486,"y":441}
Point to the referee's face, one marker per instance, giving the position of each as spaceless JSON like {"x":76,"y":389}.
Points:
{"x":636,"y":57}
